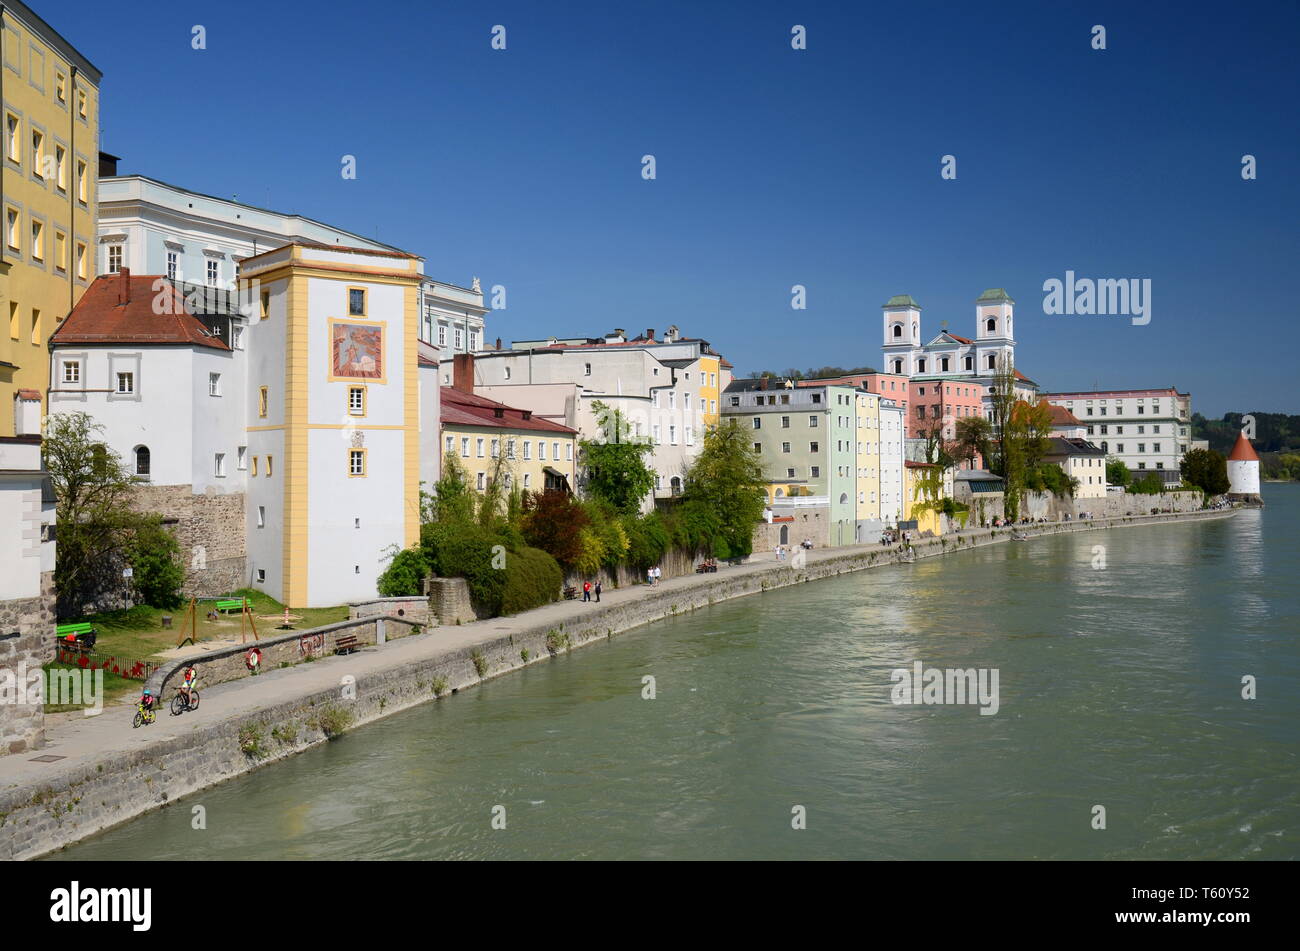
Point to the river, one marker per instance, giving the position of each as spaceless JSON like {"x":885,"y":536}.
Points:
{"x":1118,"y":686}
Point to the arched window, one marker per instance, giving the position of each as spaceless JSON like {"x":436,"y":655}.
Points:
{"x":943,"y":364}
{"x":675,"y":484}
{"x":970,"y":363}
{"x":991,"y":325}
{"x":898,"y":330}
{"x":920,"y":365}
{"x":1105,"y":447}
{"x":142,"y":460}
{"x":785,"y":534}
{"x":898,"y":366}
{"x":780,"y":493}
{"x":844,"y":498}
{"x":992,"y":361}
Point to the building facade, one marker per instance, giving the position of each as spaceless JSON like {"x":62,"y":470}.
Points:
{"x":1081,"y":461}
{"x":334,"y":419}
{"x":27,"y":603}
{"x":50,"y":95}
{"x":668,"y":390}
{"x":1144,"y":429}
{"x":152,"y":227}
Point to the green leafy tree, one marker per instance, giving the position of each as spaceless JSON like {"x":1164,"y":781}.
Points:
{"x":1117,"y":473}
{"x":724,"y":491}
{"x":1207,"y":470}
{"x":972,"y":436}
{"x":405,"y":574}
{"x":96,"y":523}
{"x":615,"y":465}
{"x":157,"y":573}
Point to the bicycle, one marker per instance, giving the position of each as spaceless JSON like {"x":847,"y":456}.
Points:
{"x":179,"y":704}
{"x":143,"y":717}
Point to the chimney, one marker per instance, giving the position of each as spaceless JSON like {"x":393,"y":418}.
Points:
{"x":124,"y":286}
{"x":650,"y":333}
{"x":462,"y":373}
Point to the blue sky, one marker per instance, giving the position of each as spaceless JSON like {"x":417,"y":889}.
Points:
{"x":775,"y":167}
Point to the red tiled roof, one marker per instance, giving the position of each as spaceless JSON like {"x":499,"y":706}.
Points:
{"x":1062,"y":416}
{"x":100,"y":318}
{"x":29,"y":394}
{"x":464,"y":409}
{"x":957,"y":338}
{"x":1243,"y":451}
{"x":919,"y":465}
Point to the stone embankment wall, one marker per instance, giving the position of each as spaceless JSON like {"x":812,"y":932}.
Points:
{"x":26,"y":644}
{"x":36,"y":819}
{"x":412,"y":609}
{"x":211,"y":531}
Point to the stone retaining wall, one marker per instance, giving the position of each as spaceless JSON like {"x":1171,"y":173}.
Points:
{"x":210,"y":530}
{"x":38,"y":819}
{"x":26,"y":644}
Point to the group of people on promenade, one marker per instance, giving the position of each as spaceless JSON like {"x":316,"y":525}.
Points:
{"x":781,"y":551}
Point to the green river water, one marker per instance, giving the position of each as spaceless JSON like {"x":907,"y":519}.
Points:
{"x":1118,"y":687}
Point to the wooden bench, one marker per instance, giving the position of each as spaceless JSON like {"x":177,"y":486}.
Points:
{"x":83,"y":631}
{"x":237,"y":604}
{"x":705,"y":568}
{"x":346,"y":644}
{"x":570,"y":593}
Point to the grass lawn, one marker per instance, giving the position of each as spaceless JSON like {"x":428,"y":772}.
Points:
{"x":137,"y":633}
{"x":115,"y":688}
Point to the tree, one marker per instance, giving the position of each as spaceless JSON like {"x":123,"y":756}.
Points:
{"x":972,"y":437}
{"x":157,"y":573}
{"x":94,"y":514}
{"x":555,"y":522}
{"x":1207,"y":470}
{"x":405,"y":574}
{"x":616,"y":468}
{"x":1117,"y":473}
{"x":725,"y":487}
{"x":452,"y":499}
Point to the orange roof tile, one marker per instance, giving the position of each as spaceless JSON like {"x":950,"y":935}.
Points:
{"x":1243,"y":451}
{"x":101,"y":316}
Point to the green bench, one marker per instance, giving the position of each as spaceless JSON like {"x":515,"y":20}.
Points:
{"x":237,"y":604}
{"x":83,"y":631}
{"x":63,"y":630}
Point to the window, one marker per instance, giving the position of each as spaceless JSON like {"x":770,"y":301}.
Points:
{"x":758,"y":422}
{"x":38,"y":148}
{"x":586,"y":369}
{"x":990,"y":325}
{"x":789,"y":473}
{"x":261,"y":575}
{"x":270,"y":465}
{"x":464,"y":447}
{"x":442,"y":335}
{"x":11,"y":139}
{"x":785,"y":447}
{"x":60,"y":87}
{"x":458,"y":338}
{"x":237,"y":337}
{"x":81,"y":103}
{"x":214,"y":384}
{"x":541,"y":450}
{"x":241,"y":458}
{"x":142,"y":460}
{"x":38,"y":241}
{"x":507,"y":372}
{"x":11,"y":230}
{"x":114,"y":258}
{"x":815,"y":472}
{"x":943,"y":364}
{"x":261,"y":523}
{"x":262,"y":400}
{"x":496,"y":448}
{"x":920,"y":365}
{"x":968,"y":363}
{"x":672,"y":435}
{"x":82,"y":190}
{"x":61,"y":168}
{"x":817,"y":398}
{"x":172,"y":265}
{"x":568,"y":452}
{"x":812,"y":422}
{"x":510,"y":448}
{"x":356,"y":462}
{"x":266,"y":304}
{"x":254,"y":465}
{"x":71,"y":371}
{"x":478,"y":447}
{"x":356,"y":401}
{"x":528,"y":449}
{"x":214,"y":270}
{"x":473,"y":345}
{"x":219,"y":465}
{"x":814,"y":447}
{"x":81,"y":260}
{"x":555,"y":448}
{"x":758,"y":447}
{"x":1155,"y":447}
{"x":356,"y":301}
{"x":785,"y":422}
{"x":450,"y":447}
{"x":528,"y":480}
{"x":482,"y":481}
{"x":126,"y":383}
{"x":735,"y":401}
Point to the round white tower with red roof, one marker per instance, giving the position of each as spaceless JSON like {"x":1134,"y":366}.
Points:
{"x":1243,"y":470}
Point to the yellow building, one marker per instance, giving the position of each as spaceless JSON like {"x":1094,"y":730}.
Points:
{"x":535,"y":454}
{"x":50,"y":95}
{"x":925,"y":486}
{"x":867,"y":458}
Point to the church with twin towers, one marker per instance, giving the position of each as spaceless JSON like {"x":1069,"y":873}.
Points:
{"x":950,"y":355}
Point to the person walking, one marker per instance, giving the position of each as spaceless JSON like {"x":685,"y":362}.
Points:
{"x":650,"y":576}
{"x":598,"y":591}
{"x":586,"y":591}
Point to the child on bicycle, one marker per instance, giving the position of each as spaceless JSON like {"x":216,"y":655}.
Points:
{"x":146,"y":702}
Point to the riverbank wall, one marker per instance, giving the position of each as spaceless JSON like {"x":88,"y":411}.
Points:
{"x":111,"y":774}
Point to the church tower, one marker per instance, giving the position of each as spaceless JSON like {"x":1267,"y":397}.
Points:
{"x":902,"y":334}
{"x":995,"y":338}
